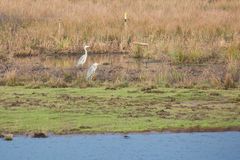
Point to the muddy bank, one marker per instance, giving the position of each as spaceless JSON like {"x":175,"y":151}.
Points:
{"x":171,"y":130}
{"x":164,"y":130}
{"x":60,"y":71}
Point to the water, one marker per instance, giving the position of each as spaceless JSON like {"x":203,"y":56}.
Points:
{"x":110,"y":59}
{"x":152,"y":146}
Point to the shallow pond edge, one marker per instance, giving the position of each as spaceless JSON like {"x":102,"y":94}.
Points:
{"x":172,"y":130}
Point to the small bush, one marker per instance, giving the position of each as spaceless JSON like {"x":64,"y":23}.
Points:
{"x":10,"y":78}
{"x":233,"y":53}
{"x":193,"y":56}
{"x":139,"y":51}
{"x":228,"y":81}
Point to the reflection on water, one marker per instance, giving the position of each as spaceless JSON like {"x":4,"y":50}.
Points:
{"x":152,"y":146}
{"x":70,"y":61}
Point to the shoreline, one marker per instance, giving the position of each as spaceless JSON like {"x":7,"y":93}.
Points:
{"x":157,"y":131}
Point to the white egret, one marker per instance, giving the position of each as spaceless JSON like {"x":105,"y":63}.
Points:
{"x":83,"y":58}
{"x":91,"y":71}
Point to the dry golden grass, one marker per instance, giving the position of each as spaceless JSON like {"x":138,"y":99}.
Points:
{"x":10,"y":78}
{"x":189,"y":31}
{"x":177,"y":31}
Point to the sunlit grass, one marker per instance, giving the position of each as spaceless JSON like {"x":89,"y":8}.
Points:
{"x":73,"y":110}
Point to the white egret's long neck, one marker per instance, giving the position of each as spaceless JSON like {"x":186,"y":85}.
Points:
{"x":85,"y":50}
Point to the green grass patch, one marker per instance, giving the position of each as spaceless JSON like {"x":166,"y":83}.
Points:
{"x":96,"y":110}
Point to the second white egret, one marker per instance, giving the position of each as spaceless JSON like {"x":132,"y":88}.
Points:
{"x":91,"y":71}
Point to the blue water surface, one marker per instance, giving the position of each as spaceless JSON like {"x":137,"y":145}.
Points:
{"x":150,"y":146}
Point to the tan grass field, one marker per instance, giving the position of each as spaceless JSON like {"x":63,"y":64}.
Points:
{"x":202,"y":28}
{"x":179,"y":31}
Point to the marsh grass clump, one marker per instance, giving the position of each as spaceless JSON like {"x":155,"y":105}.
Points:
{"x":194,"y":56}
{"x":168,"y":76}
{"x":11,"y":78}
{"x":232,"y":77}
{"x":139,"y":51}
{"x":179,"y":56}
{"x":233,"y":53}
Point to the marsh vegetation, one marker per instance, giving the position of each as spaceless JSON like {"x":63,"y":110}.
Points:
{"x":185,"y":32}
